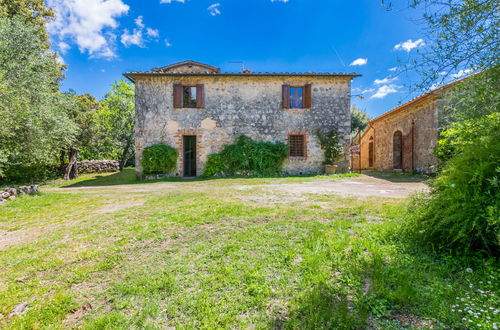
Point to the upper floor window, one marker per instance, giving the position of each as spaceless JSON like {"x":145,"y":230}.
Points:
{"x":189,"y":96}
{"x":297,"y":97}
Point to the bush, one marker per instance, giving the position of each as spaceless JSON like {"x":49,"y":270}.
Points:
{"x":159,"y":159}
{"x":247,"y":157}
{"x":29,"y":174}
{"x":462,"y":212}
{"x":214,"y":165}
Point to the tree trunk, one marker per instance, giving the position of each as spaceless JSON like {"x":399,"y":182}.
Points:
{"x":61,"y":162}
{"x":124,"y":157}
{"x":71,"y":170}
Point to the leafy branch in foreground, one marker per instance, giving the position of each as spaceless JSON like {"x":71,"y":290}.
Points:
{"x":461,"y":36}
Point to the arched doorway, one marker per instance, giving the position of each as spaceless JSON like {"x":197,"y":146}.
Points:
{"x":370,"y":153}
{"x":397,"y":151}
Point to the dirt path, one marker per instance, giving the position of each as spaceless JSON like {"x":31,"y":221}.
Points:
{"x":362,"y":187}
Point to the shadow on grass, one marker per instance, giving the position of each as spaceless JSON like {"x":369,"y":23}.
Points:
{"x":127,"y":177}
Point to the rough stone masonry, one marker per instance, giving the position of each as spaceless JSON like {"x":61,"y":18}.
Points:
{"x":238,"y":103}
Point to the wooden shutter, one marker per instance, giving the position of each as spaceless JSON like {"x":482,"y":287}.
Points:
{"x":178,"y":96}
{"x":307,"y":96}
{"x":286,"y":96}
{"x":200,"y":96}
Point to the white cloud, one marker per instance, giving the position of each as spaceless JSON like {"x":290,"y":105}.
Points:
{"x":170,"y":1}
{"x":139,"y":23}
{"x":279,"y":0}
{"x":461,"y":73}
{"x":136,"y":37}
{"x":63,"y":47}
{"x":408,"y":45}
{"x":132,"y":38}
{"x":393,"y":69}
{"x":168,"y":43}
{"x":368,"y":90}
{"x":359,"y":61}
{"x":88,"y":23}
{"x":153,"y":33}
{"x":214,"y":9}
{"x":384,"y":81}
{"x":385,"y":90}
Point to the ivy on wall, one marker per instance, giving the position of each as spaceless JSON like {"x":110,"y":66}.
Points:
{"x":247,"y":157}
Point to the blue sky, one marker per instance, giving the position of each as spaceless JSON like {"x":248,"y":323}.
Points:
{"x":101,"y":39}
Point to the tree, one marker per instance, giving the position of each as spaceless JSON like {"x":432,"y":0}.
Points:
{"x":34,"y":123}
{"x":82,"y":112}
{"x":116,"y":123}
{"x":359,"y":119}
{"x":33,"y":11}
{"x":462,"y":36}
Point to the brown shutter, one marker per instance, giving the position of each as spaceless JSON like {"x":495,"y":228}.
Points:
{"x":178,"y":95}
{"x":307,"y":96}
{"x":286,"y":96}
{"x":200,"y":96}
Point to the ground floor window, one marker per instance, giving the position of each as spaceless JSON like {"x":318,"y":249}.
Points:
{"x":296,"y":146}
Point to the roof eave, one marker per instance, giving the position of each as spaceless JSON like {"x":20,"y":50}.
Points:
{"x":131,"y":75}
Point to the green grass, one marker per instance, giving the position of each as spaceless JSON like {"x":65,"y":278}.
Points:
{"x":202,"y":254}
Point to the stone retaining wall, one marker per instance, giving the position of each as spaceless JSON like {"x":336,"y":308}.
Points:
{"x":12,"y":193}
{"x":98,"y":166}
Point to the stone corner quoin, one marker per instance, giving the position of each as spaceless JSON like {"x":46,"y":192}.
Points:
{"x":236,"y":104}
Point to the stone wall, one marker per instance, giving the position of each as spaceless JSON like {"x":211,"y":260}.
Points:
{"x":10,"y":194}
{"x":238,"y":105}
{"x":423,"y":117}
{"x":98,"y":166}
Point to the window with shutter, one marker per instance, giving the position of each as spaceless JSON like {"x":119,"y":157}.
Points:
{"x":286,"y":96}
{"x":189,"y":96}
{"x":200,"y":96}
{"x":178,"y":96}
{"x":297,"y":97}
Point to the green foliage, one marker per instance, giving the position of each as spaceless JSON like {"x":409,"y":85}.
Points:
{"x":159,"y":159}
{"x":34,"y":123}
{"x":115,"y":121}
{"x":33,"y":11}
{"x":330,"y":143}
{"x":460,"y":35}
{"x":248,"y":157}
{"x":214,"y":165}
{"x":83,"y":112}
{"x":359,"y":119}
{"x":462,"y":212}
{"x":29,"y":174}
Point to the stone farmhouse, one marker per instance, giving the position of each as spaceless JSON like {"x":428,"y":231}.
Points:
{"x":404,"y":138}
{"x":198,"y":109}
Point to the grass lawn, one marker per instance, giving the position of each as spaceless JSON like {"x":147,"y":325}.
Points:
{"x":226,"y":253}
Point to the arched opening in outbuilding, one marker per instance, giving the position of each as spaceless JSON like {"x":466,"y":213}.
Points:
{"x":370,"y":153}
{"x":397,"y":151}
